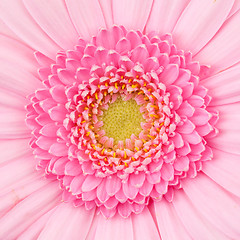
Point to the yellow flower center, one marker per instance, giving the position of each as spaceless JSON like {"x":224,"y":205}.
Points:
{"x":122,"y":119}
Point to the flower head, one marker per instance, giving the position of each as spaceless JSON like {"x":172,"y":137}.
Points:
{"x":131,"y":114}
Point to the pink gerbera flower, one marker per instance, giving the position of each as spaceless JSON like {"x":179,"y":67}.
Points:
{"x":119,"y":119}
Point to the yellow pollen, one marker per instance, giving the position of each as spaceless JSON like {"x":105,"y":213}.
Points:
{"x":92,"y":105}
{"x":154,"y":116}
{"x":87,"y":134}
{"x":99,"y":163}
{"x":91,"y":127}
{"x":134,"y":85}
{"x":133,"y":159}
{"x":161,"y":124}
{"x":88,"y":97}
{"x":129,"y":80}
{"x":145,"y":84}
{"x":93,"y":146}
{"x":137,"y":76}
{"x":125,"y":154}
{"x":103,"y":151}
{"x":96,"y":96}
{"x":150,"y":136}
{"x":105,"y":159}
{"x":116,"y":86}
{"x":144,"y":140}
{"x":123,"y":86}
{"x":121,"y":77}
{"x":99,"y":86}
{"x":114,"y":154}
{"x":83,"y":122}
{"x":106,"y":84}
{"x":126,"y":164}
{"x":145,"y":150}
{"x":155,"y":145}
{"x":154,"y":106}
{"x":86,"y":108}
{"x":140,"y":92}
{"x":111,"y":165}
{"x":149,"y":89}
{"x":122,"y":119}
{"x":146,"y":98}
{"x":137,"y":148}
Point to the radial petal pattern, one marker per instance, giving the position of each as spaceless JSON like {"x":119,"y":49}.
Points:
{"x":119,"y":119}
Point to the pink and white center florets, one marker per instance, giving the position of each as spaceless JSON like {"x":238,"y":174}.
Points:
{"x":98,"y":168}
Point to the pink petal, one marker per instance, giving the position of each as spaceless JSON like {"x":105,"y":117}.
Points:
{"x":49,"y":130}
{"x":36,"y":228}
{"x":182,"y":164}
{"x":12,"y":124}
{"x":200,"y":117}
{"x":117,"y":226}
{"x":14,"y":77}
{"x":161,"y":187}
{"x":137,"y":180}
{"x":169,"y":224}
{"x":101,"y":192}
{"x":90,"y":183}
{"x":67,"y":220}
{"x":194,"y":28}
{"x":56,"y":24}
{"x":219,"y":208}
{"x":192,"y":219}
{"x":45,"y":142}
{"x":124,"y":209}
{"x":146,"y":188}
{"x":26,"y":29}
{"x":139,"y":54}
{"x":164,"y":15}
{"x":131,"y":14}
{"x":6,"y":31}
{"x":21,"y":147}
{"x":25,"y":213}
{"x":106,"y":7}
{"x":130,"y":191}
{"x":228,"y":137}
{"x":186,"y":128}
{"x":167,"y":172}
{"x":170,"y":74}
{"x":224,"y":170}
{"x":73,"y":168}
{"x":59,"y":149}
{"x":22,"y":188}
{"x":235,"y":8}
{"x":58,"y":94}
{"x":144,"y":226}
{"x":113,"y":185}
{"x":218,"y":50}
{"x":221,"y":89}
{"x":58,"y":113}
{"x":87,"y":17}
